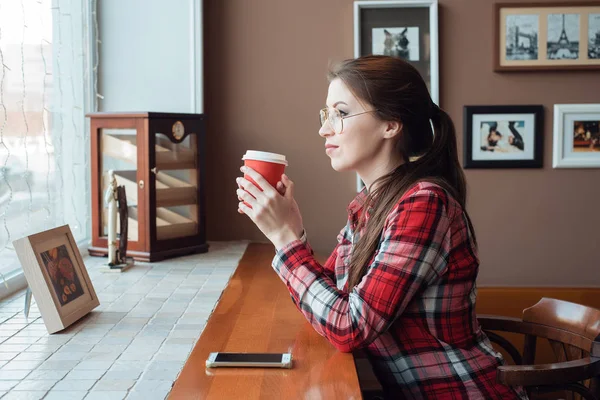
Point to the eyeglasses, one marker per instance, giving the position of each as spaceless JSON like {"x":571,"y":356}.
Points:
{"x":335,"y":119}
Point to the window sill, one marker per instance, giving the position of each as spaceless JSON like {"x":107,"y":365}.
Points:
{"x":14,"y":282}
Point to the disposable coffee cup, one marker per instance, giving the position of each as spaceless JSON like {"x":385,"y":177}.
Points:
{"x":270,"y":165}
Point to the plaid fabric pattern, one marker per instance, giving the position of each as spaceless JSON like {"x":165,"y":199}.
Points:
{"x":413,"y":313}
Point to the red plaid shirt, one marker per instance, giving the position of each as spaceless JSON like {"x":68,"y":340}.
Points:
{"x":414,"y":311}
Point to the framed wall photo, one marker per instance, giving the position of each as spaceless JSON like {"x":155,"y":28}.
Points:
{"x":507,"y":136}
{"x":405,"y":29}
{"x":56,"y":276}
{"x":576,"y":136}
{"x":547,"y":36}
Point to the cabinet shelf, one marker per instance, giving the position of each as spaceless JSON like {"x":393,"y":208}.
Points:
{"x":168,"y":160}
{"x":170,"y":225}
{"x":170,"y":191}
{"x":124,"y":148}
{"x":120,"y":147}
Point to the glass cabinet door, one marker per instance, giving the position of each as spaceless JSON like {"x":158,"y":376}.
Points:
{"x":118,"y":152}
{"x":176,"y":187}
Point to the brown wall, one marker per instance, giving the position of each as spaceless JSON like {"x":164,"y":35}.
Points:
{"x":265,"y":81}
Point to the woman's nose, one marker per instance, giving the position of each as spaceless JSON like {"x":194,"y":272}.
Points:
{"x":326,"y":130}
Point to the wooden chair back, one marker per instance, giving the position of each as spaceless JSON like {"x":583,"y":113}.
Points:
{"x":573,"y":331}
{"x":578,"y":322}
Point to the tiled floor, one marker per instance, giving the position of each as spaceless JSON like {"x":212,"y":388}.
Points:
{"x":132,"y":346}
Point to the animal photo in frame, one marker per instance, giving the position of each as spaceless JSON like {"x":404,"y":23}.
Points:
{"x":57,"y":277}
{"x":503,"y":136}
{"x":403,"y":29}
{"x":400,"y":42}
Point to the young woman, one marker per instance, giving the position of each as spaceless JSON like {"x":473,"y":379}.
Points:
{"x":400,"y":284}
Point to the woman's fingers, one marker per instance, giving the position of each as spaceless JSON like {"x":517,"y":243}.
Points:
{"x":245,"y":196}
{"x":258,"y":178}
{"x":249,"y":187}
{"x":244,"y":209}
{"x":281,"y":188}
{"x":288,"y":184}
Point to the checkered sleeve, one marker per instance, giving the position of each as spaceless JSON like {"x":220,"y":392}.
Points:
{"x":304,"y":240}
{"x":328,"y":268}
{"x":412,"y":252}
{"x":333,"y":260}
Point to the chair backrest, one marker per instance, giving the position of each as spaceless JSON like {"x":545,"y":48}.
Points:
{"x":572,"y":330}
{"x":571,"y":317}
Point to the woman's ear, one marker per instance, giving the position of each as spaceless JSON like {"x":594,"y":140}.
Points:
{"x":392,"y":129}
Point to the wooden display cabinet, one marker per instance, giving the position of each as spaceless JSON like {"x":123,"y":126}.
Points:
{"x":159,"y":158}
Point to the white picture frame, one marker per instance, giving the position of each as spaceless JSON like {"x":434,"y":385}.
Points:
{"x":576,"y":136}
{"x":418,"y":19}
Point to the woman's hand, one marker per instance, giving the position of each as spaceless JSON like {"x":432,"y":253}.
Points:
{"x":274,"y":211}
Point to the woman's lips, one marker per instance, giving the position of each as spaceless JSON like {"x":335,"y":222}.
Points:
{"x":329,"y":148}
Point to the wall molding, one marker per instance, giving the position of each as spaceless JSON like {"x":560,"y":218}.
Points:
{"x":511,"y":301}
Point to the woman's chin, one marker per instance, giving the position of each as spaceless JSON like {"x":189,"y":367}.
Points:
{"x":339,"y":166}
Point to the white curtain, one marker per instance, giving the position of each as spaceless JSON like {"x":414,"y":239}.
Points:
{"x":44,"y":139}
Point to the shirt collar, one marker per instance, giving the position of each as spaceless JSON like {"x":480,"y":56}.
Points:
{"x":358,"y":203}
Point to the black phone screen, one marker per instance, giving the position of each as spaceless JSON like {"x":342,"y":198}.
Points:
{"x":249,"y":357}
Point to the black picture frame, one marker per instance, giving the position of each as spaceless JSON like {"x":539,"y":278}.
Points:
{"x":505,"y":152}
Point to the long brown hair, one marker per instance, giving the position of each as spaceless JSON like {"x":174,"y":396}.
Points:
{"x":398,"y":92}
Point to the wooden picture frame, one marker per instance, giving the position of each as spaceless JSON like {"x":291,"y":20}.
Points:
{"x":503,"y":136}
{"x":412,"y":25}
{"x":547,"y":36}
{"x":57,"y":277}
{"x":576,"y":136}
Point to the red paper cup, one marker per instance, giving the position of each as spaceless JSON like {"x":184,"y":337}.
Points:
{"x":270,"y":165}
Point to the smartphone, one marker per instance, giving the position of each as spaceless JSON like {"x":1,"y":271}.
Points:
{"x":261,"y":360}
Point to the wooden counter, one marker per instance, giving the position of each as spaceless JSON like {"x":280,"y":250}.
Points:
{"x":256,"y":314}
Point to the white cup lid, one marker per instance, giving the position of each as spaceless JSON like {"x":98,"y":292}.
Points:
{"x":265,"y":156}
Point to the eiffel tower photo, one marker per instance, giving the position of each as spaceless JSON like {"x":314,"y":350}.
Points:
{"x":565,"y":47}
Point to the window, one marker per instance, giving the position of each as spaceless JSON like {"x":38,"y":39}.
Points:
{"x":44,"y":179}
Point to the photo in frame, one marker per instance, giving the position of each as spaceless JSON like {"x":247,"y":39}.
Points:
{"x":576,"y":136}
{"x":503,"y":136}
{"x":404,"y":29}
{"x":547,"y":36}
{"x":57,"y":277}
